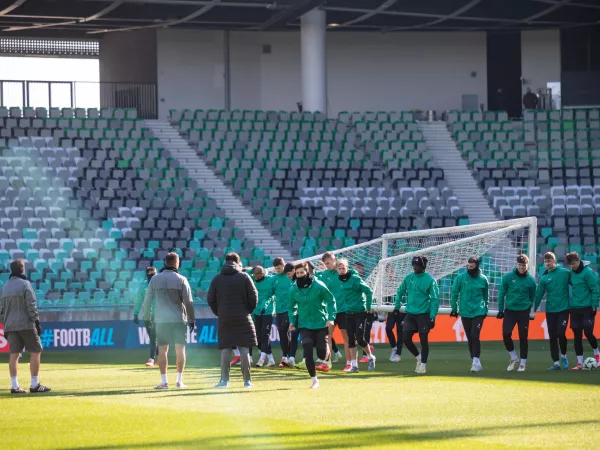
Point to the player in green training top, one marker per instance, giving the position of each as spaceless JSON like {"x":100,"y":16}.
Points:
{"x":149,"y":324}
{"x":584,"y":302}
{"x":422,"y":306}
{"x":282,"y":284}
{"x":312,"y":312}
{"x":329,"y":276}
{"x":470,"y":300}
{"x":515,"y":300}
{"x":554,"y":283}
{"x":263,"y":314}
{"x":358,"y":298}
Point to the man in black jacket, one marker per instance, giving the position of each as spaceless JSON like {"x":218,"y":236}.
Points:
{"x":232,"y":297}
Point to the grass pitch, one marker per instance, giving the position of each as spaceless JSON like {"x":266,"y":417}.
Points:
{"x":105,"y":400}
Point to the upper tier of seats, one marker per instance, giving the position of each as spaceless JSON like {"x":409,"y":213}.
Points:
{"x":89,"y":202}
{"x":339,"y":176}
{"x":547,"y":166}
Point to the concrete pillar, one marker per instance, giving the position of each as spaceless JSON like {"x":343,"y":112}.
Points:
{"x":314,"y":60}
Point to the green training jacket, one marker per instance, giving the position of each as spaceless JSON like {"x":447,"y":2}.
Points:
{"x":141,"y":295}
{"x":356,"y":295}
{"x":555,"y":284}
{"x":585,"y":290}
{"x":470,"y":295}
{"x":282,"y":293}
{"x":423,"y":295}
{"x":332,"y":281}
{"x":516,"y":293}
{"x":312,"y":307}
{"x":266,"y":295}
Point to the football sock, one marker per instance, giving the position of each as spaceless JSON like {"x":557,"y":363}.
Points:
{"x":314,"y":379}
{"x":354,"y":363}
{"x":271,"y":357}
{"x":476,"y":361}
{"x":14,"y":383}
{"x":179,"y":376}
{"x":263,"y":355}
{"x":163,"y":378}
{"x":34,"y":382}
{"x":513,"y":355}
{"x":579,"y":359}
{"x":523,"y":362}
{"x":596,"y":352}
{"x":563,"y":356}
{"x":419,"y":357}
{"x":293,"y":360}
{"x":236,"y":352}
{"x":424,"y":365}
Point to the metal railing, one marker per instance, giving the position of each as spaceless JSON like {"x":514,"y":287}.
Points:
{"x":81,"y":94}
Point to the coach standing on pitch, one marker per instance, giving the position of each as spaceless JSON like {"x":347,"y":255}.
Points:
{"x":173,"y":308}
{"x":232,"y":297}
{"x":22,"y":328}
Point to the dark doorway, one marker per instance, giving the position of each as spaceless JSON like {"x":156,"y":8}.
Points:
{"x":504,"y":72}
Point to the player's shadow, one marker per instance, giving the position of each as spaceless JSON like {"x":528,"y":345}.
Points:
{"x":331,"y":438}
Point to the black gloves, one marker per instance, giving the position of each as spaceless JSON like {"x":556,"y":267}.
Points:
{"x":396,"y":312}
{"x":593,"y":312}
{"x":500,"y":315}
{"x":38,"y":327}
{"x":431,"y":324}
{"x":192,"y":325}
{"x":262,"y":312}
{"x":136,"y":319}
{"x":454,"y":314}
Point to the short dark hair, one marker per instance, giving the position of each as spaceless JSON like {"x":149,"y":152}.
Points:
{"x":17,"y":267}
{"x":550,"y":256}
{"x":258,"y":269}
{"x":171,"y":259}
{"x":301,"y":265}
{"x":278,"y":262}
{"x":570,"y":258}
{"x":232,"y":257}
{"x":327,"y":255}
{"x":288,"y":268}
{"x":150,"y":269}
{"x":522,"y":259}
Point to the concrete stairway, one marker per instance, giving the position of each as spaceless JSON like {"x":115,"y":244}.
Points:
{"x":214,"y":186}
{"x":444,"y":152}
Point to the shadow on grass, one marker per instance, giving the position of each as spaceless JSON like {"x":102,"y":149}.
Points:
{"x":333,"y":437}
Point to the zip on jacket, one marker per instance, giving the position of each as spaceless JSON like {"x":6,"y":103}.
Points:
{"x":516,"y":293}
{"x":555,"y":285}
{"x":423,"y":296}
{"x":312,"y":307}
{"x":470,"y":295}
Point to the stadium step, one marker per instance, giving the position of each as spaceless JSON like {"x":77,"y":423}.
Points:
{"x":214,"y":186}
{"x":443,"y":150}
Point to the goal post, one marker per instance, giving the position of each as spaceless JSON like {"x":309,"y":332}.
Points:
{"x":496,"y":244}
{"x":386,"y":261}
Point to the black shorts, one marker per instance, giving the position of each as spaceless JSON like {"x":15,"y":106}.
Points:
{"x":512,"y":318}
{"x":557,"y":322}
{"x":582,"y":318}
{"x":18,"y":340}
{"x":318,"y":338}
{"x":418,"y":323}
{"x":168,"y":333}
{"x":340,"y":320}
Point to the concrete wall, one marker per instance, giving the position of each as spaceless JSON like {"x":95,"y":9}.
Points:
{"x":540,"y":58}
{"x":365,"y":71}
{"x":128,"y":57}
{"x":190,"y":70}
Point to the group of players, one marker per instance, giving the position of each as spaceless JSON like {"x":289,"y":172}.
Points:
{"x":309,"y":304}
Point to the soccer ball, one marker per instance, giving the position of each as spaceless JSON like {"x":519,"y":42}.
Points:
{"x":590,"y":364}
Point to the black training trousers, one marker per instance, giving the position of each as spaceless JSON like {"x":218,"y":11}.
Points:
{"x":356,"y":325}
{"x":263,"y":326}
{"x":283,"y":325}
{"x":473,"y":328}
{"x":556,"y":323}
{"x":151,"y":329}
{"x":521,"y":319}
{"x":293,"y":342}
{"x":395,"y":319}
{"x":417,"y":323}
{"x":582,"y":321}
{"x":312,"y":339}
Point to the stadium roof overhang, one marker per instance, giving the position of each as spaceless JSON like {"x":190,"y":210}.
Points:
{"x":93,"y":18}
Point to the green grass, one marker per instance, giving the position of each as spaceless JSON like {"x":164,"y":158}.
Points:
{"x":105,"y":400}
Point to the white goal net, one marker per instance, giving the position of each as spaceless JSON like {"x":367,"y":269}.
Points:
{"x":386,"y":261}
